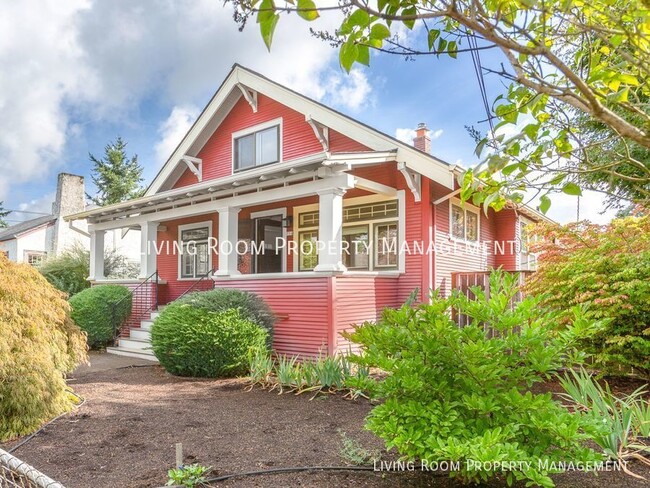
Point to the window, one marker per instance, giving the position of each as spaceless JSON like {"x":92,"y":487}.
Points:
{"x":464,"y":223}
{"x":308,"y":258}
{"x":257,"y":148}
{"x":355,"y":247}
{"x":527,"y":260}
{"x":195,"y":256}
{"x":370,"y":237}
{"x":386,"y":245}
{"x":35,"y":258}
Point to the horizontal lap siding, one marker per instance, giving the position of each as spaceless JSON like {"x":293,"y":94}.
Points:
{"x":359,"y":299}
{"x":304,"y":301}
{"x":298,"y":138}
{"x":507,"y":233}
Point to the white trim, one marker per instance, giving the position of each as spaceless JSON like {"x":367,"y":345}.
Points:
{"x":269,"y":213}
{"x":321,"y":132}
{"x":195,"y":225}
{"x":249,"y":95}
{"x":310,"y":274}
{"x":195,"y":165}
{"x":466,"y":207}
{"x":413,"y":181}
{"x":401,"y":230}
{"x":278,"y":122}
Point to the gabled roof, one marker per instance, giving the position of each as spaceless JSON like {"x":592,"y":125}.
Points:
{"x":231,"y":91}
{"x":26,"y":226}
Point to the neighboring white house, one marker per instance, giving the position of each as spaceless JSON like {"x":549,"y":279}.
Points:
{"x":33,"y":240}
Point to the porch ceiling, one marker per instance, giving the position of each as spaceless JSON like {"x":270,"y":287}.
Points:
{"x":291,"y":179}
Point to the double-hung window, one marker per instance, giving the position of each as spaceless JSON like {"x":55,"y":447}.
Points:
{"x":195,"y":251}
{"x":464,"y":222}
{"x":528,"y":260}
{"x":257,"y":148}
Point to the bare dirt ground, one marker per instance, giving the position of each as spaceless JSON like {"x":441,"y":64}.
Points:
{"x":125,"y":432}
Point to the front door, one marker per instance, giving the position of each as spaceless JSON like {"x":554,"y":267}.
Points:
{"x":267,"y":229}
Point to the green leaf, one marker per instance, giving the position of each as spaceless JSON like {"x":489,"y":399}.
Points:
{"x":379,"y":31}
{"x":348,"y":54}
{"x":544,"y":204}
{"x":572,"y":189}
{"x":432,"y":36}
{"x":452,"y":49}
{"x":508,"y":170}
{"x":267,"y":27}
{"x":364,"y":54}
{"x":307,"y":10}
{"x":360,"y":18}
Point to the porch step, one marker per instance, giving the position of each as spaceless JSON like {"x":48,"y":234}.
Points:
{"x":140,"y":334}
{"x":134,"y":353}
{"x":146,"y":324}
{"x":138,"y":344}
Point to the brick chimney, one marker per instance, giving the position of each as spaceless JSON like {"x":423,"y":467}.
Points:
{"x":422,"y":141}
{"x":70,"y":195}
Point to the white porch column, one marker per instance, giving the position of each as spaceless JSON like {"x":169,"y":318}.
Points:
{"x":330,"y":230}
{"x":96,"y":255}
{"x":228,"y":235}
{"x":148,"y":237}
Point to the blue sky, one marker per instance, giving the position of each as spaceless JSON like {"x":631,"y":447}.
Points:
{"x":77,"y":74}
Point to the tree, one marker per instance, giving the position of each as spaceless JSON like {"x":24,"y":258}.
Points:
{"x":116,"y":177}
{"x":568,"y":64}
{"x":3,"y":214}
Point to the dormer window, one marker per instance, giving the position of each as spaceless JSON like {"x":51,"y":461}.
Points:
{"x":256,"y":147}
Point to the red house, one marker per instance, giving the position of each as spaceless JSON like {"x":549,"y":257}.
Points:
{"x":326,"y":218}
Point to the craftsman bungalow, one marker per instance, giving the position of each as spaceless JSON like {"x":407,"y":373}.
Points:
{"x":264,"y":163}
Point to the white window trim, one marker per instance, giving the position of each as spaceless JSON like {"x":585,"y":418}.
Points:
{"x":251,"y":130}
{"x":349,"y":202}
{"x":466,"y":207}
{"x":268,"y":213}
{"x":522,"y":222}
{"x":27,"y":253}
{"x":196,"y":225}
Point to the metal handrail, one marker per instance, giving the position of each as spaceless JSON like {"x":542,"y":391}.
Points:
{"x":152,"y":278}
{"x":197,"y":282}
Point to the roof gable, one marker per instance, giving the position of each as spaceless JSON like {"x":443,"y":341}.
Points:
{"x":23,"y":227}
{"x":242,"y":85}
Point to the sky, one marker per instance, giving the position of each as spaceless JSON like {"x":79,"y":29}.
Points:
{"x":77,"y":74}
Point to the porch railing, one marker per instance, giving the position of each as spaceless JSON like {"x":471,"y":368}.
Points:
{"x":204,"y":283}
{"x":466,"y":280}
{"x":144,"y":299}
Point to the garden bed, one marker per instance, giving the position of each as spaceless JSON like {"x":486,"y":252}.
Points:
{"x":124,"y":435}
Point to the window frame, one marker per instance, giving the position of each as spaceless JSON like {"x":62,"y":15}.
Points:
{"x":184,"y":227}
{"x":278,"y":122}
{"x":524,"y":247}
{"x":399,"y":221}
{"x":465,"y":207}
{"x":29,"y":253}
{"x":375,"y":257}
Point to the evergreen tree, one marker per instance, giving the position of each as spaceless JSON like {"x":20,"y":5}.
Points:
{"x":116,"y":176}
{"x":3,"y":214}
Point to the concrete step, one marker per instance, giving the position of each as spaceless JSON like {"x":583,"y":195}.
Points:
{"x":140,"y":334}
{"x":155,"y":313}
{"x":138,"y":344}
{"x":134,"y":353}
{"x":146,"y":324}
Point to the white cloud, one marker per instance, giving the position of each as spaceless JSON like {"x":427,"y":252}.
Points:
{"x":436,"y":134}
{"x":173,"y":129}
{"x":41,"y":205}
{"x":564,"y":208}
{"x":102,"y":59}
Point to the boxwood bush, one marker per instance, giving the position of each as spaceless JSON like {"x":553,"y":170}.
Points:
{"x":193,"y":341}
{"x":93,"y":311}
{"x":250,"y":305}
{"x":39,"y":344}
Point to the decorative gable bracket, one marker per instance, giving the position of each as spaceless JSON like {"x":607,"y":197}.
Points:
{"x":249,"y":95}
{"x":413,"y":180}
{"x":320,"y":131}
{"x":195,"y":165}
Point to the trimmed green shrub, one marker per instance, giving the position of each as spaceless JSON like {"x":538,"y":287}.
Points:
{"x":39,"y":344}
{"x":250,"y":305}
{"x":464,"y":394}
{"x":93,"y":310}
{"x":191,"y":341}
{"x":69,"y":270}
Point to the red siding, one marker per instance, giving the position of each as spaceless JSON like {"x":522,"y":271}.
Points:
{"x":304,"y":309}
{"x":507,"y":234}
{"x":298,"y":138}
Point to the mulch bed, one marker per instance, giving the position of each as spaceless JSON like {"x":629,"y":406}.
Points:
{"x":124,"y":436}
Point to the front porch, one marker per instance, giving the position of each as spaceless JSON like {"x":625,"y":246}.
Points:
{"x":186,"y":246}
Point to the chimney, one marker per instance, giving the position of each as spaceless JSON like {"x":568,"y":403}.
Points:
{"x":422,"y":141}
{"x":70,"y":195}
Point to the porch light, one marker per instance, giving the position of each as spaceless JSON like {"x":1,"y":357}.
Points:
{"x":287,"y":222}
